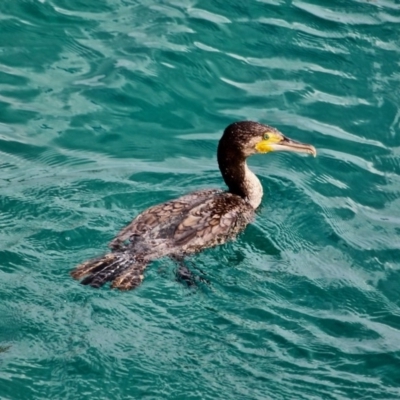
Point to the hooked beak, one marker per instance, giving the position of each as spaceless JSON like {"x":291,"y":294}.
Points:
{"x":287,"y":144}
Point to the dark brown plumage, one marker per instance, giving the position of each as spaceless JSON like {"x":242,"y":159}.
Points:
{"x":192,"y":222}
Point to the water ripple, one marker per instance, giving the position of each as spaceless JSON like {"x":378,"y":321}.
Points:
{"x":110,"y":107}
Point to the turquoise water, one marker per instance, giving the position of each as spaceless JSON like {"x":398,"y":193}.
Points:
{"x":110,"y":106}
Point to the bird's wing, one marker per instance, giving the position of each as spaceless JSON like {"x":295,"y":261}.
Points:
{"x":216,"y":220}
{"x":155,"y":217}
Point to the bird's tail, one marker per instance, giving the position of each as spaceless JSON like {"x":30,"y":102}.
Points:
{"x":122,"y":268}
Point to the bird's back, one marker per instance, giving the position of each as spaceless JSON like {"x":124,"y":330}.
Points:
{"x":185,"y":225}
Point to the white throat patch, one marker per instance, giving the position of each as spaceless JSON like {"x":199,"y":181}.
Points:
{"x":253,"y":186}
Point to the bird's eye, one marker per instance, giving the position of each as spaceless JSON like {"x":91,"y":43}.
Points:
{"x":266,"y":136}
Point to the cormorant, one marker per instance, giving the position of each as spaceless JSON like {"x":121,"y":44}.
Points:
{"x":198,"y":220}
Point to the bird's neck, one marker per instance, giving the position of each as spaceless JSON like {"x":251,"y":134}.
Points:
{"x":240,"y":180}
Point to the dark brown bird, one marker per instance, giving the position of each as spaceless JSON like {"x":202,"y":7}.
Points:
{"x":193,"y":222}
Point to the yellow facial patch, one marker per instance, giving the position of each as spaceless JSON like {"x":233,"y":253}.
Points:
{"x":264,"y":146}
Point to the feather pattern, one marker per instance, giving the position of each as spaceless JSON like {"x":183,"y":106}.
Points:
{"x":176,"y":228}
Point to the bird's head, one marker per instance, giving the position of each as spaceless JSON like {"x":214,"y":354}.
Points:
{"x":248,"y":138}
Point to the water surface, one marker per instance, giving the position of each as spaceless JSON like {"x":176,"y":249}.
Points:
{"x":110,"y":106}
